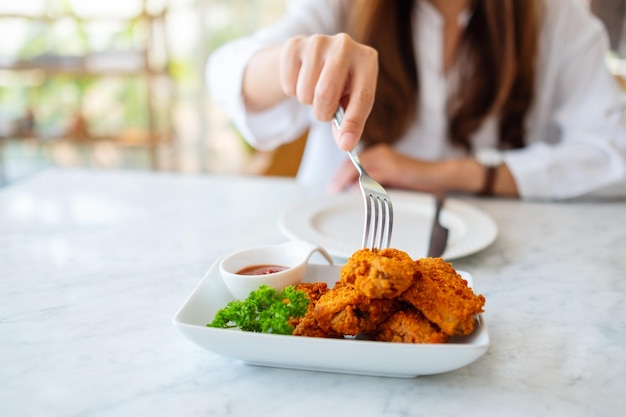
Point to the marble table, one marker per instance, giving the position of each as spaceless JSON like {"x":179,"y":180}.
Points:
{"x":94,"y":266}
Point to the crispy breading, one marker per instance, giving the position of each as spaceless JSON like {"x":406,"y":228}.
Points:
{"x":357,"y":264}
{"x":444,"y":297}
{"x":409,"y":326}
{"x":313,"y":290}
{"x":346,"y":311}
{"x":377,"y":273}
{"x":308,"y":325}
{"x":390,"y":274}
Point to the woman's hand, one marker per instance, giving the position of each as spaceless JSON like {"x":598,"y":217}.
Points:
{"x":391,"y":169}
{"x":324,"y":71}
{"x":395,"y":170}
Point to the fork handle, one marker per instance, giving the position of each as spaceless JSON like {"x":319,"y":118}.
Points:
{"x":338,"y":117}
{"x":356,"y":161}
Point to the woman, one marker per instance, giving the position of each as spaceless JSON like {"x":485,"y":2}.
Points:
{"x":431,"y":89}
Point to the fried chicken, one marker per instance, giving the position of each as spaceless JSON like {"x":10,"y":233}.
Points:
{"x":386,"y":296}
{"x":444,"y":297}
{"x":313,"y":290}
{"x":377,"y":273}
{"x":357,"y":264}
{"x":344,"y":310}
{"x":409,"y":326}
{"x":307,"y":325}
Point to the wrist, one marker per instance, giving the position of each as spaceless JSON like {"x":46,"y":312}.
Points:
{"x":261,"y":88}
{"x":464,"y":175}
{"x":490,"y":159}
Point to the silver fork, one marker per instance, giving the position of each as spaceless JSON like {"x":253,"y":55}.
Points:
{"x":378,"y":207}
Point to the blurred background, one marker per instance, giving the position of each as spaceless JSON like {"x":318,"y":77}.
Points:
{"x":119,"y":84}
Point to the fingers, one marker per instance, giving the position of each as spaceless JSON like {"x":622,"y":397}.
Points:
{"x":322,"y":71}
{"x":301,"y":62}
{"x":359,"y":95}
{"x":333,"y":81}
{"x":352,"y":125}
{"x":289,"y":65}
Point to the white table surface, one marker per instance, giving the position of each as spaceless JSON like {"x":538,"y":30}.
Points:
{"x":94,"y":266}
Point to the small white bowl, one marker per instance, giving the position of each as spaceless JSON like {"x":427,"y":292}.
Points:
{"x":293,"y":255}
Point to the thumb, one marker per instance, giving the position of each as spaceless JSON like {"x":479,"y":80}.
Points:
{"x":349,"y":132}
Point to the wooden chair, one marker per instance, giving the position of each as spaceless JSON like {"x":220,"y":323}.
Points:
{"x":285,"y":160}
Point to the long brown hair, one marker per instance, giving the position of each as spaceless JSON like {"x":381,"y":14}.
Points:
{"x":497,"y":51}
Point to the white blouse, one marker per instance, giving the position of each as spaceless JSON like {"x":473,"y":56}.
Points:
{"x":576,"y":135}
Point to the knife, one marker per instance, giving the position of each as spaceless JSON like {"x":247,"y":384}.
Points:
{"x":438,"y":234}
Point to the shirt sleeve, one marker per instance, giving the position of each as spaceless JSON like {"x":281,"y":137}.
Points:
{"x":581,"y":151}
{"x":226,"y":66}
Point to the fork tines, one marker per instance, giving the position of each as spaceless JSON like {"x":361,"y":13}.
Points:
{"x":378,"y":222}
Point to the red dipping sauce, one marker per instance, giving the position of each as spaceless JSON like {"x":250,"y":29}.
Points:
{"x":261,"y":269}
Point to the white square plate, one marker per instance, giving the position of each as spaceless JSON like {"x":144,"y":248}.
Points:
{"x":352,"y":356}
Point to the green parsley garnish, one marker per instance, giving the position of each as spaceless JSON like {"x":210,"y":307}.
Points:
{"x":266,"y":310}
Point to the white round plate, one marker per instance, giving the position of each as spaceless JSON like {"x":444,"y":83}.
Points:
{"x":336,"y":223}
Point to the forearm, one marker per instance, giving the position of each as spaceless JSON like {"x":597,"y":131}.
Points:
{"x":467,"y":175}
{"x":261,"y":87}
{"x":396,"y":170}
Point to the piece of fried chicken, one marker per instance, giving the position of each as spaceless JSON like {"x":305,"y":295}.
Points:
{"x":344,"y":310}
{"x":409,"y":326}
{"x":384,"y":273}
{"x":307,"y":325}
{"x":444,"y":297}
